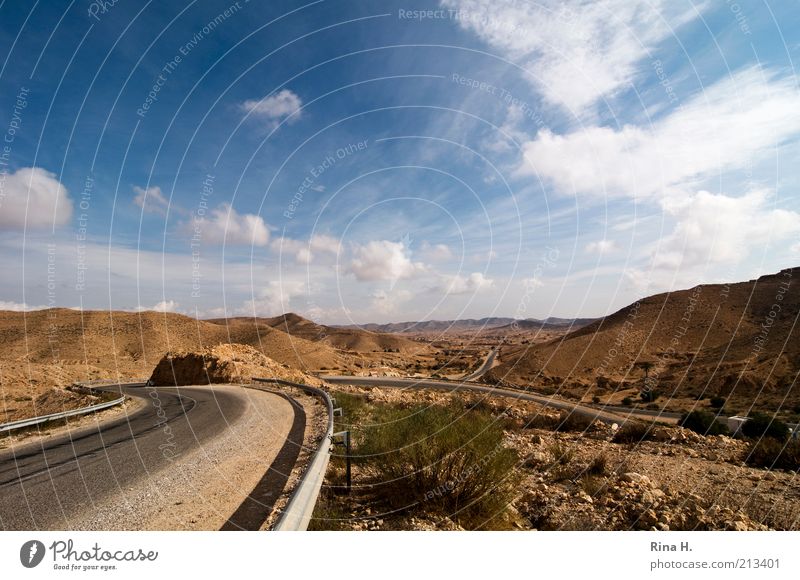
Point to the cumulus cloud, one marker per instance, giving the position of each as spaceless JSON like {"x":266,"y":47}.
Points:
{"x":577,"y":52}
{"x":384,"y":260}
{"x":304,"y":252}
{"x":273,"y":299}
{"x":166,"y":306}
{"x":457,"y":284}
{"x":32,"y":197}
{"x":275,"y":108}
{"x":726,"y":126}
{"x":225,"y":225}
{"x":436,"y":252}
{"x":388,"y":302}
{"x":712,"y":230}
{"x":531,"y":283}
{"x":18,"y":306}
{"x":719,"y":229}
{"x":600,"y":247}
{"x":151,"y":200}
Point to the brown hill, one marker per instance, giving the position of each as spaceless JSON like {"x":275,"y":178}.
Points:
{"x":53,"y":348}
{"x":739,"y":340}
{"x":347,"y":339}
{"x":137,"y":340}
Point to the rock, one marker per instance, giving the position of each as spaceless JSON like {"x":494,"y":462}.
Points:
{"x":649,"y":518}
{"x":224,"y":363}
{"x":739,"y":526}
{"x":633,"y":477}
{"x":538,"y":458}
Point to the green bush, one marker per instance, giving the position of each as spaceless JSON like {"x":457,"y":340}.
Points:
{"x":703,"y":422}
{"x":440,"y":459}
{"x":761,"y":425}
{"x":627,"y":401}
{"x":717,"y":402}
{"x":574,"y":422}
{"x":773,"y":454}
{"x":598,"y":466}
{"x":561,"y":452}
{"x":633,"y":432}
{"x":649,"y":396}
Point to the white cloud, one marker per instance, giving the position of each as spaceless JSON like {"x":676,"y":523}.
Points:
{"x":18,"y":306}
{"x":162,"y":306}
{"x":225,"y":225}
{"x":166,"y":306}
{"x":151,"y":200}
{"x":275,"y":108}
{"x":457,"y":284}
{"x":273,"y":299}
{"x":483,"y":257}
{"x":727,"y":126}
{"x":796,"y":248}
{"x":305,"y":251}
{"x":600,"y":246}
{"x":576,"y":51}
{"x":436,"y":252}
{"x":388,"y":302}
{"x":384,"y":260}
{"x":718,"y":229}
{"x":32,"y":197}
{"x":531,"y":283}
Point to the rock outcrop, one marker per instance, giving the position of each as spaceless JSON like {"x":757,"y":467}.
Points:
{"x":224,"y":363}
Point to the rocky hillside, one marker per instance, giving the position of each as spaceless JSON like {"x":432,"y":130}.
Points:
{"x":53,"y":348}
{"x":739,"y":340}
{"x":222,"y":364}
{"x":346,"y":339}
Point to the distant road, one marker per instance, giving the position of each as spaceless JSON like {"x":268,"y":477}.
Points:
{"x":565,"y":405}
{"x":487,"y":364}
{"x":45,"y":484}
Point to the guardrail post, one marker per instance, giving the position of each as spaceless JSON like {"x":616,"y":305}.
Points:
{"x":345,"y":435}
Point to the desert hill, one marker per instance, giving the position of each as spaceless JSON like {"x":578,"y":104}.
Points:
{"x":138,"y":339}
{"x":740,"y":340}
{"x":56,"y":347}
{"x":342,"y":338}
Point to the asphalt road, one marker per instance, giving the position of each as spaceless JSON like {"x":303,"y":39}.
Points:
{"x":43,"y":484}
{"x":484,"y":368}
{"x":562,"y":404}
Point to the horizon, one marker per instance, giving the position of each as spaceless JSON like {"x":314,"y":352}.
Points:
{"x":208,"y":162}
{"x":382,"y":323}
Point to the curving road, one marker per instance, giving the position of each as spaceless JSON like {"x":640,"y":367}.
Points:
{"x":484,"y":368}
{"x":561,"y":404}
{"x":44,"y":485}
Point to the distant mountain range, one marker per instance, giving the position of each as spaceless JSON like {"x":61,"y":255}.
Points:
{"x":471,"y":324}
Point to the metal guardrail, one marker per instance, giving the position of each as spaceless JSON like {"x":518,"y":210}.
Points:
{"x":297,"y":514}
{"x":63,"y":415}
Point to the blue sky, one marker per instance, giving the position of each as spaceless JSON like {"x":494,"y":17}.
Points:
{"x":373,"y":161}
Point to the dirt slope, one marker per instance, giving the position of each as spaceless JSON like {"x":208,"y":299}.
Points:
{"x":53,"y":348}
{"x":739,"y":339}
{"x":346,"y":339}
